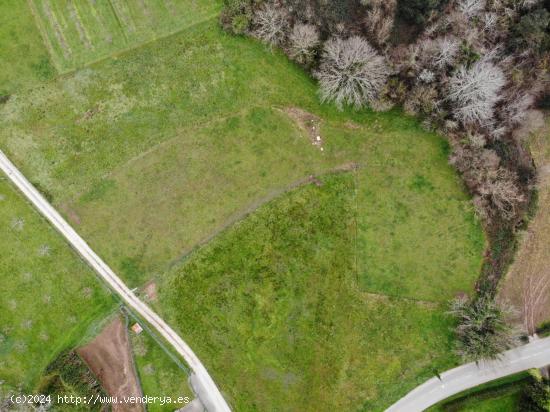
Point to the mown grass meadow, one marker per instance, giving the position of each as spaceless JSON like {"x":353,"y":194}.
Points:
{"x":80,"y":32}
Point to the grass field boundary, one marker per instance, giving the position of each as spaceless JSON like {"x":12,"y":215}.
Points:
{"x":45,"y":39}
{"x":251,"y":208}
{"x":118,"y":53}
{"x":485,"y":391}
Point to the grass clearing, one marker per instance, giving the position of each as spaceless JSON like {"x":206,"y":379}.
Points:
{"x":278,"y":300}
{"x":80,"y":32}
{"x":24,"y":58}
{"x":50,"y":298}
{"x":158,"y":373}
{"x":153,"y":152}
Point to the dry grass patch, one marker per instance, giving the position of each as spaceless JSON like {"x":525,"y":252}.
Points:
{"x":527,"y":285}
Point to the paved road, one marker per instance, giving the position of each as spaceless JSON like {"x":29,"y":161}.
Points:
{"x":533,"y":355}
{"x":203,"y":384}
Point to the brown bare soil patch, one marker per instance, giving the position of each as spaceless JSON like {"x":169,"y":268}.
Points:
{"x":110,"y":358}
{"x":74,"y":218}
{"x":307,"y":122}
{"x":527,"y":284}
{"x":150,"y":290}
{"x":352,"y":125}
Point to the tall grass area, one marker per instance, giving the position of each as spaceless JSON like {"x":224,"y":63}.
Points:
{"x":158,"y":373}
{"x":24,"y":58}
{"x":275,"y":309}
{"x":49,"y":297}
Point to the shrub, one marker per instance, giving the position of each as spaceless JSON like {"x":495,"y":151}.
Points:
{"x":447,"y":49}
{"x":417,"y":11}
{"x":303,"y":43}
{"x":422,"y":100}
{"x":482,"y":331}
{"x":351,"y":72}
{"x":535,"y":396}
{"x":271,"y":24}
{"x":532,"y":31}
{"x":471,"y":8}
{"x":236,"y":15}
{"x":475,"y":91}
{"x":503,"y":192}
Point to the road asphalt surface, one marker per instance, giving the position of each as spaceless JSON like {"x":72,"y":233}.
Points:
{"x":202,"y":383}
{"x":532,"y":355}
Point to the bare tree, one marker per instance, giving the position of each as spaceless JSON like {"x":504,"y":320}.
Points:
{"x":379,"y":20}
{"x":475,"y":91}
{"x":515,"y":110}
{"x":501,"y":189}
{"x":351,"y":72}
{"x":471,"y":8}
{"x":304,"y":39}
{"x":271,"y":24}
{"x":447,"y":51}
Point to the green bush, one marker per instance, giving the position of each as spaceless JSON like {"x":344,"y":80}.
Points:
{"x":236,"y":15}
{"x":536,"y":395}
{"x":417,"y":11}
{"x":69,"y":375}
{"x":532,"y":31}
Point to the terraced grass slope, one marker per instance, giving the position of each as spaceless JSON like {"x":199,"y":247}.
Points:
{"x":49,"y":298}
{"x":275,"y":308}
{"x":78,"y":32}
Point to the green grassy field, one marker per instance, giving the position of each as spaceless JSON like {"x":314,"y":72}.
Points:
{"x":153,"y":152}
{"x":502,"y":395}
{"x":288,"y":325}
{"x":158,"y":373}
{"x":24,"y":58}
{"x":49,"y":300}
{"x":80,"y":32}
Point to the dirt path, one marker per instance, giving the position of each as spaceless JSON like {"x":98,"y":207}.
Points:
{"x":110,"y":358}
{"x":527,"y":284}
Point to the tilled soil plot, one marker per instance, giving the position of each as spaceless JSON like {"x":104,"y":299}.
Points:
{"x":110,"y":358}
